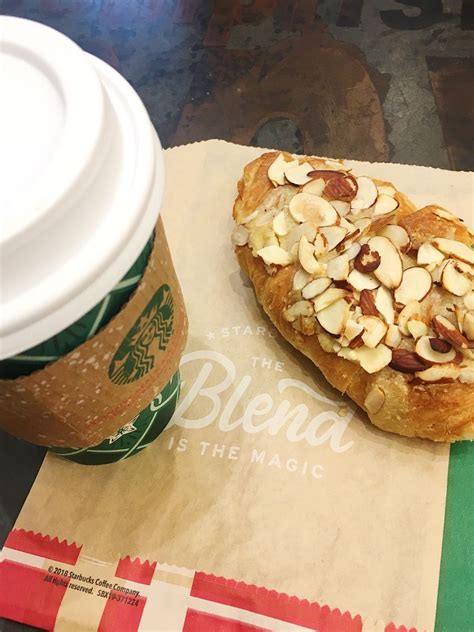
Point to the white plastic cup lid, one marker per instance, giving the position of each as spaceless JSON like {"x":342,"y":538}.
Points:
{"x":81,"y":182}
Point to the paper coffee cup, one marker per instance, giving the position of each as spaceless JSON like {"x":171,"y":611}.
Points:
{"x":134,"y":436}
{"x":82,"y":183}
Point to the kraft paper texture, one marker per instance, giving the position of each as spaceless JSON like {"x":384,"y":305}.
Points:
{"x":265,"y":474}
{"x":88,"y":394}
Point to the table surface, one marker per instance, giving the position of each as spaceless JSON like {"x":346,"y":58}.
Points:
{"x":374,"y":80}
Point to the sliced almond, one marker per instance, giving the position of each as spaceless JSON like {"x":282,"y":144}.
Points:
{"x":343,"y":208}
{"x":386,"y":189}
{"x":468,"y":325}
{"x":417,"y":328}
{"x":373,"y":360}
{"x":438,"y":373}
{"x":298,"y":175}
{"x":300,"y":308}
{"x":352,"y":329}
{"x":316,"y":287}
{"x":305,"y":207}
{"x":315,"y":187}
{"x":406,"y":361}
{"x":428,"y":254}
{"x":301,"y":279}
{"x":398,"y":236}
{"x":444,"y":214}
{"x":240,"y":236}
{"x":411,"y":311}
{"x":384,"y":304}
{"x":415,"y":286}
{"x":455,"y":249}
{"x":274,"y":255}
{"x":466,"y":375}
{"x":344,"y":285}
{"x":320,"y":245}
{"x":375,"y":330}
{"x":293,"y":252}
{"x":338,"y":268}
{"x":348,"y":225}
{"x":349,"y":240}
{"x":446,"y":330}
{"x":367,"y":260}
{"x":280,"y":225}
{"x":366,"y":194}
{"x":306,"y":256}
{"x":440,"y":345}
{"x":469,"y":300}
{"x":454,"y":281}
{"x":266,"y":217}
{"x":361,"y":281}
{"x":333,"y":235}
{"x":352,"y":251}
{"x":374,"y":400}
{"x":321,"y":172}
{"x":307,"y":229}
{"x":276,"y":171}
{"x":363,"y":224}
{"x":367,"y":303}
{"x":390,"y":270}
{"x":385,"y":204}
{"x":272,"y":240}
{"x":465,"y":267}
{"x":437,"y":273}
{"x":328,"y":297}
{"x":393,"y":336}
{"x":342,"y":187}
{"x":460,"y":314}
{"x":334,"y":317}
{"x":426,"y":352}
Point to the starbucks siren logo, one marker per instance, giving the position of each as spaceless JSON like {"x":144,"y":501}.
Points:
{"x":152,"y":331}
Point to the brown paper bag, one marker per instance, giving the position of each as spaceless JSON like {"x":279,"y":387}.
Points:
{"x":265,"y":474}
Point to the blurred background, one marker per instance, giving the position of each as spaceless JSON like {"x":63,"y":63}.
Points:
{"x":371,"y":79}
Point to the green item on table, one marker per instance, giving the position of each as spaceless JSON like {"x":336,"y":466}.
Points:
{"x":134,"y":436}
{"x":455,"y":608}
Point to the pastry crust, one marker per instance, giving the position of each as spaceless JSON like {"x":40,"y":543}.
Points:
{"x":436,"y":411}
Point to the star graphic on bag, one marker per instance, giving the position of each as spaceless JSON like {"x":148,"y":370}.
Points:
{"x":127,"y":429}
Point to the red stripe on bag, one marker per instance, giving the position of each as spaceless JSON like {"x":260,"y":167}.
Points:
{"x":121,"y":614}
{"x":27,"y":595}
{"x":272,"y":604}
{"x":391,"y":627}
{"x":135,"y":570}
{"x":43,"y":546}
{"x":197,"y":621}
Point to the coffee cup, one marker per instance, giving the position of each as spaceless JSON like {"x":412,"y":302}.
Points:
{"x":84,"y":176}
